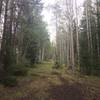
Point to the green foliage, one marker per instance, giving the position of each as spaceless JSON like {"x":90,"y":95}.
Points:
{"x":9,"y":58}
{"x":32,"y":52}
{"x":89,"y":57}
{"x":18,"y":70}
{"x":30,"y":36}
{"x":9,"y":81}
{"x":57,"y":65}
{"x":35,"y":35}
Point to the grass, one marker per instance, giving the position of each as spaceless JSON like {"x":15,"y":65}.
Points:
{"x":41,"y":78}
{"x":43,"y":69}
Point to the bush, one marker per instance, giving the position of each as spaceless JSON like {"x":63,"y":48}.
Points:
{"x":18,"y":70}
{"x":9,"y":81}
{"x":96,"y":72}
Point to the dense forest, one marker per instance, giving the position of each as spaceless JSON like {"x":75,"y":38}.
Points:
{"x":77,"y":38}
{"x":24,"y":37}
{"x":34,"y":67}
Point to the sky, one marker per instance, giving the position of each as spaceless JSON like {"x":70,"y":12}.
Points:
{"x":48,"y":16}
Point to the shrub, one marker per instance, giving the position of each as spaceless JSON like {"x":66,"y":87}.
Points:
{"x":20,"y":70}
{"x":9,"y":81}
{"x":17,"y":70}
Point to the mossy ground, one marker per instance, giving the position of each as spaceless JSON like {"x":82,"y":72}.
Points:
{"x":45,"y":83}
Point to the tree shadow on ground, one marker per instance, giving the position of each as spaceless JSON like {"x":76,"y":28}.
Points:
{"x":67,"y":91}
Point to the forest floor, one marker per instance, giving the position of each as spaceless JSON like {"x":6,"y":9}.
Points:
{"x":45,"y":83}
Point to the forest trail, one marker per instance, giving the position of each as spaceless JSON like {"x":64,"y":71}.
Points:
{"x":45,"y":83}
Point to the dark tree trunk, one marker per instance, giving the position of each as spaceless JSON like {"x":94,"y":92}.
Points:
{"x":1,"y":4}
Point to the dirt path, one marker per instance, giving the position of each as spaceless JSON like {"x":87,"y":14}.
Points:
{"x":49,"y":85}
{"x":56,"y":87}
